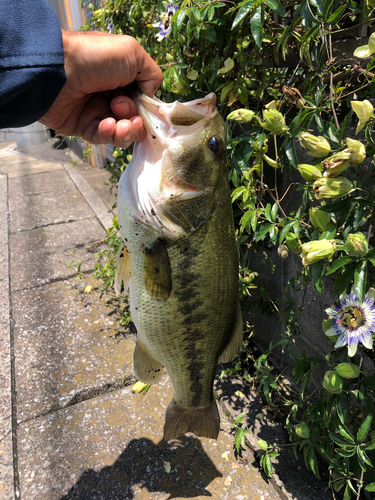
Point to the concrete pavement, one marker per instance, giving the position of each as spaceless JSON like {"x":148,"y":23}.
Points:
{"x":70,"y":426}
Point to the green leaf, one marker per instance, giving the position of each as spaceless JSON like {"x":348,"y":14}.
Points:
{"x":360,"y":276}
{"x":225,"y":91}
{"x":267,"y":212}
{"x":333,"y":18}
{"x":228,"y":66}
{"x":256,"y":23}
{"x":285,"y":231}
{"x":288,"y":155}
{"x":243,"y":11}
{"x":237,"y":192}
{"x":370,"y":487}
{"x":363,"y":430}
{"x":254,"y":221}
{"x":274,"y":211}
{"x":340,"y":262}
{"x":345,"y":279}
{"x":264,"y":230}
{"x":267,"y":465}
{"x":317,"y":270}
{"x":276,"y":6}
{"x":180,"y":19}
{"x":262,"y":444}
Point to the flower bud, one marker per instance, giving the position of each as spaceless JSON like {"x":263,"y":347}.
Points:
{"x":357,"y":244}
{"x":273,"y":121}
{"x":317,"y":250}
{"x":316,"y":146}
{"x":241,"y":115}
{"x":352,"y":156}
{"x":283,"y":251}
{"x":319,"y":219}
{"x":293,"y":243}
{"x":364,"y":110}
{"x":331,"y":188}
{"x":310,"y":172}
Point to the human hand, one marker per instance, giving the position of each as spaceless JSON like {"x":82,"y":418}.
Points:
{"x":93,"y":102}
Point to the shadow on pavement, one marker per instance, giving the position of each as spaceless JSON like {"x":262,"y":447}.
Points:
{"x":142,"y":466}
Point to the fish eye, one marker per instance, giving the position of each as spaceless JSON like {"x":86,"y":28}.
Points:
{"x":215,"y":144}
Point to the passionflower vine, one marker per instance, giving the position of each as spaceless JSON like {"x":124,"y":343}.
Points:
{"x":164,"y":25}
{"x":352,"y":321}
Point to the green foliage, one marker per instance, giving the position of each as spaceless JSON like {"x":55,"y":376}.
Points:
{"x":239,"y":433}
{"x":264,"y":454}
{"x":278,"y":69}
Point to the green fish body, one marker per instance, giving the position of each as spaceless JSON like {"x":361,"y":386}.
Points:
{"x":179,"y":257}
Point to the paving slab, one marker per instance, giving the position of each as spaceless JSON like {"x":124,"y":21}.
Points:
{"x":110,"y":448}
{"x":46,"y":254}
{"x":68,"y":345}
{"x":99,"y":180}
{"x":52,"y":207}
{"x":6,"y":444}
{"x":15,"y":165}
{"x":41,"y":183}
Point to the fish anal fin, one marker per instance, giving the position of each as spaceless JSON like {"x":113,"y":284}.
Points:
{"x":234,"y":346}
{"x":146,"y":368}
{"x":157,"y":271}
{"x":122,"y":269}
{"x":203,"y":422}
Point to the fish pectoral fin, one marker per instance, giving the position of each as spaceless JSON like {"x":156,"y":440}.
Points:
{"x":146,"y":368}
{"x":122,"y":269}
{"x":203,"y":422}
{"x":157,"y":271}
{"x":234,"y":346}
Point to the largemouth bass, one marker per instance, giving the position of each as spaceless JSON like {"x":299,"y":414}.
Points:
{"x":179,"y":257}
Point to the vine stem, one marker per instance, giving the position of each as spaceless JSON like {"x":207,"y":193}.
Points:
{"x":360,"y":485}
{"x":331,"y":79}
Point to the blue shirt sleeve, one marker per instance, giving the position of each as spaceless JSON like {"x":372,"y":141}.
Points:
{"x":31,"y":61}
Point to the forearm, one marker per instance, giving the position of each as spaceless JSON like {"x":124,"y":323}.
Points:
{"x":31,"y":61}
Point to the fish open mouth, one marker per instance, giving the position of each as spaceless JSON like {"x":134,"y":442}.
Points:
{"x":167,"y":119}
{"x":169,"y":169}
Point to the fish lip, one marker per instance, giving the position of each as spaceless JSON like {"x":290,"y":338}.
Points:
{"x":140,"y":98}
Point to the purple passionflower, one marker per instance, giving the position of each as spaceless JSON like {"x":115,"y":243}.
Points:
{"x":352,"y":321}
{"x":164,"y":25}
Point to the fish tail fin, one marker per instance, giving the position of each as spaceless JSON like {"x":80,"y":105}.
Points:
{"x":203,"y":422}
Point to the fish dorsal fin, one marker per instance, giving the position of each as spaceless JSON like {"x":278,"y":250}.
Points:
{"x":157,"y":271}
{"x":183,"y":116}
{"x":234,"y":346}
{"x":122,"y":269}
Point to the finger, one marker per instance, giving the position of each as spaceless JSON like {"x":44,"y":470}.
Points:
{"x":123,"y":107}
{"x":149,"y":75}
{"x":127,"y":131}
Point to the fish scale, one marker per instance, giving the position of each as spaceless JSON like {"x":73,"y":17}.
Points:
{"x":185,"y":305}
